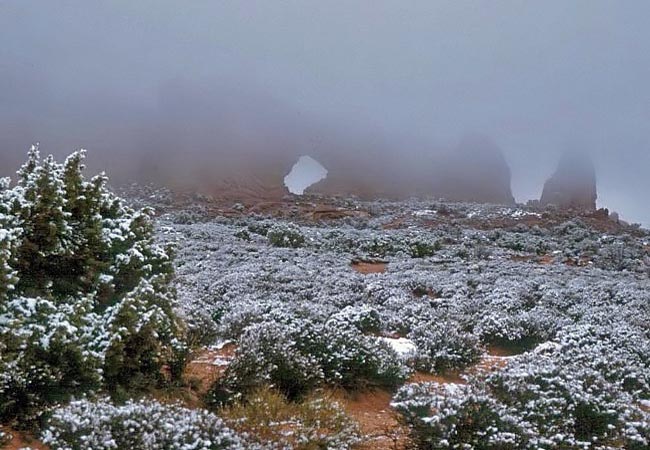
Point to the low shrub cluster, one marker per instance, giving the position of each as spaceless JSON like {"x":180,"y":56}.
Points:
{"x":315,"y":423}
{"x":423,"y":249}
{"x":456,"y":416}
{"x":441,"y":346}
{"x":534,"y":402}
{"x":563,"y":293}
{"x":285,"y":236}
{"x":298,"y":354}
{"x":143,"y":425}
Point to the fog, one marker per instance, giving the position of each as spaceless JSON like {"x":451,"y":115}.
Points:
{"x":181,"y":91}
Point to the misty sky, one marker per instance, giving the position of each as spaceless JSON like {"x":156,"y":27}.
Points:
{"x":538,"y":77}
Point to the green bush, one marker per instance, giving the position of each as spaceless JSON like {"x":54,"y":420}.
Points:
{"x":441,"y":346}
{"x":455,"y":416}
{"x":85,"y":296}
{"x":299,"y":355}
{"x":422,"y":249}
{"x":285,"y":236}
{"x":378,"y":247}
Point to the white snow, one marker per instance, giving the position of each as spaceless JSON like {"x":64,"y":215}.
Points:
{"x":425,"y":212}
{"x":402,"y":346}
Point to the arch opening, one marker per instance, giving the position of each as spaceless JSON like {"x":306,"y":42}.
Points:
{"x":304,"y":173}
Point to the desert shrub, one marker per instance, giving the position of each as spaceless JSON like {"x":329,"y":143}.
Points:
{"x":377,"y":246}
{"x":443,"y":346}
{"x":187,"y":217}
{"x":44,"y":357}
{"x":616,"y":256}
{"x":298,"y":355}
{"x":267,"y":417}
{"x":143,"y":425}
{"x":456,"y":416}
{"x":260,"y":227}
{"x":568,"y":406}
{"x":617,"y":351}
{"x":85,"y":296}
{"x":270,"y":353}
{"x":285,"y":236}
{"x":519,"y":330}
{"x":423,"y":249}
{"x":353,"y":360}
{"x":364,"y":318}
{"x":244,"y":235}
{"x":529,"y":405}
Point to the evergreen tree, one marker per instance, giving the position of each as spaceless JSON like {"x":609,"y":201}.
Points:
{"x":85,"y":295}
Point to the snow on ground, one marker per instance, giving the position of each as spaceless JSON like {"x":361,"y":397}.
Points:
{"x":405,"y":348}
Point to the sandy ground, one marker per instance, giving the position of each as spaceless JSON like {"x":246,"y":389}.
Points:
{"x":366,"y":268}
{"x":22,"y":441}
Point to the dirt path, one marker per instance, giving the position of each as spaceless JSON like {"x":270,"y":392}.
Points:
{"x":366,"y":268}
{"x":377,"y":420}
{"x":380,"y":423}
{"x":208,"y":365}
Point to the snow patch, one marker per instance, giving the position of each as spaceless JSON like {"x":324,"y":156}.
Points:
{"x":402,"y":346}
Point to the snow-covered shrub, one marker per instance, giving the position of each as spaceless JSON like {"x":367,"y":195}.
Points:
{"x":143,"y":425}
{"x":353,"y":360}
{"x":517,"y":330}
{"x":297,"y":355}
{"x":243,"y":234}
{"x":617,"y":256}
{"x":442,"y":346}
{"x":365,"y":318}
{"x":270,"y":353}
{"x":285,"y":236}
{"x":8,"y":243}
{"x":457,"y":416}
{"x":315,"y":423}
{"x":84,"y":290}
{"x":569,"y":406}
{"x":531,"y":404}
{"x":618,"y":351}
{"x":47,"y":354}
{"x":377,"y":246}
{"x":423,"y":249}
{"x":261,"y":227}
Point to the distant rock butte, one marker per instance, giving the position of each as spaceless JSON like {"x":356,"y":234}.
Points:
{"x":573,"y":185}
{"x":476,"y":171}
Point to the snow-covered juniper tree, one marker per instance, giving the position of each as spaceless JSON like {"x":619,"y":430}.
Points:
{"x":85,"y":295}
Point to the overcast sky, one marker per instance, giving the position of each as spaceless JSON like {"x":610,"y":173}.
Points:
{"x":538,"y":77}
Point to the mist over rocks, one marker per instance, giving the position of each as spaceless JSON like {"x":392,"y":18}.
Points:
{"x":476,"y":171}
{"x":573,"y":185}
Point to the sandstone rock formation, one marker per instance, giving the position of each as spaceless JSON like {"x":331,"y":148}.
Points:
{"x":474,"y":171}
{"x":573,"y":185}
{"x":477,"y":171}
